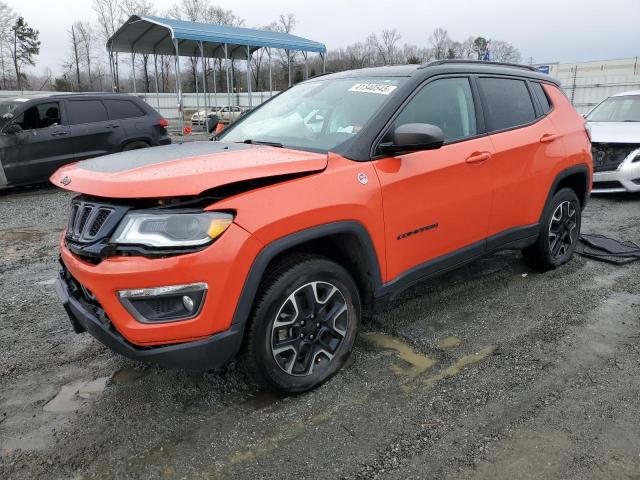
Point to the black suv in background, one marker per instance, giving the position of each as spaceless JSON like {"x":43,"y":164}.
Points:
{"x":38,"y":135}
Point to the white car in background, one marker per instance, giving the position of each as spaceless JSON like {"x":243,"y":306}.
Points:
{"x":199,"y":118}
{"x":614,"y":125}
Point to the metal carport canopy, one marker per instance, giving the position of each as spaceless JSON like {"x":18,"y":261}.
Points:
{"x":146,"y":34}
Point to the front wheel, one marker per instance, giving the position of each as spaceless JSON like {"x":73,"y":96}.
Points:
{"x":303,"y":326}
{"x":559,"y":232}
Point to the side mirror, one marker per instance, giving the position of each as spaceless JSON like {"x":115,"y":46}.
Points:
{"x":413,"y":137}
{"x":12,"y":129}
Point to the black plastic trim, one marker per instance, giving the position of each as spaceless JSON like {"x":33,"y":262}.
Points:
{"x":209,"y":353}
{"x":269,"y":252}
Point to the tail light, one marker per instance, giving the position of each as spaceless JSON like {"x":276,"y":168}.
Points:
{"x":164,"y":123}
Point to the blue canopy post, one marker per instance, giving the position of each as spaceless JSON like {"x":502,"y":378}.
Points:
{"x":270,"y":76}
{"x":249,"y":75}
{"x":133,"y":70}
{"x":204,"y":84}
{"x":179,"y":87}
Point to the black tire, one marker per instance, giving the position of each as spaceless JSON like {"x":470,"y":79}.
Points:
{"x":559,"y":231}
{"x":277,"y":358}
{"x":135,"y":146}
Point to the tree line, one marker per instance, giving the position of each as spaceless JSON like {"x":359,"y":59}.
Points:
{"x":87,"y":66}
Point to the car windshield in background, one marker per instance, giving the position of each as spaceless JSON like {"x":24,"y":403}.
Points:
{"x":617,"y":109}
{"x":317,"y":115}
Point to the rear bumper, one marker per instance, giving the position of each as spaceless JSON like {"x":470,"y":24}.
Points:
{"x":204,"y":354}
{"x":626,"y":178}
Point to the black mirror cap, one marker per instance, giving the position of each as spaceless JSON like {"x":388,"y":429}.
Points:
{"x":412,"y":137}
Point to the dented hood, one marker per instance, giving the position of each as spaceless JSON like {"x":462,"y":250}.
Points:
{"x":182,"y":169}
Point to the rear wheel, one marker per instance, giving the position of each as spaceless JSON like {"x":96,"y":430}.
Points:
{"x":559,"y":232}
{"x":303,"y":326}
{"x":135,"y":146}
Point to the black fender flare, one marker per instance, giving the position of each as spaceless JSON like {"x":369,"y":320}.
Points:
{"x":271,"y":250}
{"x":575,"y":169}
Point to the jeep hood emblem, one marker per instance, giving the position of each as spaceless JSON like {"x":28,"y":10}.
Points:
{"x":65,"y":180}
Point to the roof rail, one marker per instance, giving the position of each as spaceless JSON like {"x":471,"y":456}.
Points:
{"x":477,"y":62}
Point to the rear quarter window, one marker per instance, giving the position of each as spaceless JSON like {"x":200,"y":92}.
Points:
{"x":541,"y":95}
{"x":121,"y":109}
{"x":507,"y":103}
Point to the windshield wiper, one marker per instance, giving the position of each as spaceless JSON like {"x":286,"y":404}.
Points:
{"x":631,"y":120}
{"x":259,"y":142}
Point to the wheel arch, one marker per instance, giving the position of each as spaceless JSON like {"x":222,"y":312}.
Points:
{"x":575,"y":177}
{"x":346,"y":242}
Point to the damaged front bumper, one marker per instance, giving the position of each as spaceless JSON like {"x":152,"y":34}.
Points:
{"x":204,"y":354}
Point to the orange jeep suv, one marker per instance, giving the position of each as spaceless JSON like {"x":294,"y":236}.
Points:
{"x":275,"y":240}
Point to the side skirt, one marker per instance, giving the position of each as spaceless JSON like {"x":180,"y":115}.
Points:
{"x":514,"y":238}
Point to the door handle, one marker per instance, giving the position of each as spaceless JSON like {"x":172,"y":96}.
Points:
{"x":58,"y":134}
{"x":549,"y":137}
{"x":478,"y":157}
{"x":113,"y":125}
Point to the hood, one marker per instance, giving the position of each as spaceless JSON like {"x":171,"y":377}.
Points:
{"x":614,"y":132}
{"x":184,"y":169}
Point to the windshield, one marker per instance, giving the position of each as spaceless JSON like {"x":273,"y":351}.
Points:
{"x":617,"y":109}
{"x":317,"y":115}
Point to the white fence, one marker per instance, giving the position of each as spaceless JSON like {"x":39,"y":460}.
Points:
{"x":166,"y":103}
{"x":586,"y":92}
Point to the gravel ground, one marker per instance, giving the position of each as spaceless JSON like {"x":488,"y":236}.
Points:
{"x":492,"y":371}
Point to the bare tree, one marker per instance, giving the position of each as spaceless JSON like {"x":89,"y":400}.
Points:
{"x":386,"y":46}
{"x":440,"y":43}
{"x":7,"y":19}
{"x":286,"y":23}
{"x":502,"y":51}
{"x":75,"y":57}
{"x":110,"y":18}
{"x":85,"y":33}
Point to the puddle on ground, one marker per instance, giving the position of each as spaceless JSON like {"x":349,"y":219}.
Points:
{"x":128,"y":375}
{"x":21,"y":235}
{"x":449,"y":342}
{"x":74,"y":395}
{"x":419,"y":363}
{"x":462,"y":363}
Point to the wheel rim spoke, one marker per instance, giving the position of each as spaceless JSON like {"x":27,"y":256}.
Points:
{"x":562,"y":228}
{"x":309,"y":328}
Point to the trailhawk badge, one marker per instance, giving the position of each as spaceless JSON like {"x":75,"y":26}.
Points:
{"x":65,"y":180}
{"x":363,"y":179}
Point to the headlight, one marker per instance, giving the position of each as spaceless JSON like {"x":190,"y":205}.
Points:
{"x":171,"y":229}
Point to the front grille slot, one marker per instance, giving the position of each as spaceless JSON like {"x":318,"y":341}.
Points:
{"x":607,"y":157}
{"x":88,"y":221}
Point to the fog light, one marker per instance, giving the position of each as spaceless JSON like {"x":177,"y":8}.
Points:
{"x":164,"y":304}
{"x":188,"y":303}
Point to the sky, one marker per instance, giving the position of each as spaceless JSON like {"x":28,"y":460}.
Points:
{"x":546,"y":30}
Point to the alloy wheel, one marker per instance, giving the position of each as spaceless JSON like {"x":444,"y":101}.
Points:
{"x":562,"y":230}
{"x":309,"y":328}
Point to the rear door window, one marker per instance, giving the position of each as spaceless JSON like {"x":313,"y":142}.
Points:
{"x":122,"y":109}
{"x":541,"y":95}
{"x":507,"y":103}
{"x":86,"y":111}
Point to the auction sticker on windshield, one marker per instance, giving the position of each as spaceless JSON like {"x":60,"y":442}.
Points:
{"x":373,"y":88}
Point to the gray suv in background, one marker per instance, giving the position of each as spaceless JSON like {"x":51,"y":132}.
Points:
{"x":39,"y":135}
